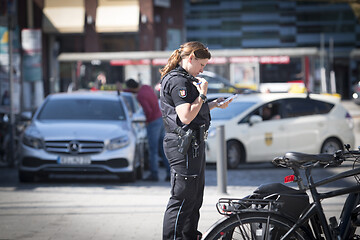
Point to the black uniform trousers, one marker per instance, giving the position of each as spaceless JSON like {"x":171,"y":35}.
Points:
{"x":183,"y":210}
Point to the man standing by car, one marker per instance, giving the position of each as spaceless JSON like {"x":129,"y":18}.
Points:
{"x":154,"y":124}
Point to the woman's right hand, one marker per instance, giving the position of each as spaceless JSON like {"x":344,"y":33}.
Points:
{"x":202,"y":85}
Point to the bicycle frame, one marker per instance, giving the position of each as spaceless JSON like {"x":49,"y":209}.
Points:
{"x":316,"y":208}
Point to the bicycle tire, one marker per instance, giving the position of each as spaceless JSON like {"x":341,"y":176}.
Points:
{"x":246,"y":226}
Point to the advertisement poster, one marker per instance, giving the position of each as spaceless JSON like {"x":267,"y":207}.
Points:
{"x":5,"y":75}
{"x":32,"y":61}
{"x":245,"y":74}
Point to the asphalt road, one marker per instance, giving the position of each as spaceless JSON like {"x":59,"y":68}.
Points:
{"x":102,"y":207}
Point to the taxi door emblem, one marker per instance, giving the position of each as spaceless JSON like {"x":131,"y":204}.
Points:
{"x":268,"y":139}
{"x":182,"y":92}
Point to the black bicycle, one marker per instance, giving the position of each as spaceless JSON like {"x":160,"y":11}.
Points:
{"x":275,"y":211}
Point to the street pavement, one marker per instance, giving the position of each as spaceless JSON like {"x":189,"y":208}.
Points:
{"x":102,"y":207}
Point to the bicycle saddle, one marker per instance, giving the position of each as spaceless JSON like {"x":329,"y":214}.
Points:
{"x":302,"y":158}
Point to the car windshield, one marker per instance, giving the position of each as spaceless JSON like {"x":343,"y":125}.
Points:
{"x":234,"y":109}
{"x":82,"y":109}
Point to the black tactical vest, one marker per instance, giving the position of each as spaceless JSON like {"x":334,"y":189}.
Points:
{"x":167,"y":106}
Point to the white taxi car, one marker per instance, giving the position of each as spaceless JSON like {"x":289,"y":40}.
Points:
{"x":259,"y":127}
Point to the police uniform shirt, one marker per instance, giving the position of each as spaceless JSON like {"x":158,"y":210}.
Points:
{"x":179,"y":89}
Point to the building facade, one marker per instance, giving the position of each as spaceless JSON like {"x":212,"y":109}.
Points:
{"x":46,"y":28}
{"x":43,"y":30}
{"x":228,"y":24}
{"x":225,"y":24}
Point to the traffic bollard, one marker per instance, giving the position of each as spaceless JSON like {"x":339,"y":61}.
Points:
{"x":221,"y":161}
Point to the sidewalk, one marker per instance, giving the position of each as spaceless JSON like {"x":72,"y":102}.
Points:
{"x":100,"y":209}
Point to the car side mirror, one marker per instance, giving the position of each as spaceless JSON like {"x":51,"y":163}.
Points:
{"x":138,"y":118}
{"x":255,"y":119}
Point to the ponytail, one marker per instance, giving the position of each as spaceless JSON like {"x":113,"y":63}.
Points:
{"x":173,"y":61}
{"x":197,"y":48}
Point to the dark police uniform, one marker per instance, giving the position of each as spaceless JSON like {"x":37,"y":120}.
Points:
{"x":187,"y":170}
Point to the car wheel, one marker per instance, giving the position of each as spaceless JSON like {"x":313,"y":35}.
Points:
{"x":235,"y":154}
{"x":146,"y":158}
{"x":331,"y":145}
{"x":140,"y":169}
{"x":132,"y":176}
{"x":26,"y":176}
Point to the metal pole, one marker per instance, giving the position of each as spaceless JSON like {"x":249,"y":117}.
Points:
{"x":332,"y":72}
{"x":322,"y":64}
{"x":221,"y":160}
{"x":11,"y":87}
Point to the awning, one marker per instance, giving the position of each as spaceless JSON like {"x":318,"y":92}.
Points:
{"x":218,"y":56}
{"x":117,"y":16}
{"x":65,"y":16}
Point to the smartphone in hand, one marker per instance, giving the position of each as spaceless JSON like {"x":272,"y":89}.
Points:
{"x":226,"y":100}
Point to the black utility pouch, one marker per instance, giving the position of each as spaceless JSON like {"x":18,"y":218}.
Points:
{"x":202,"y":132}
{"x":185,"y":141}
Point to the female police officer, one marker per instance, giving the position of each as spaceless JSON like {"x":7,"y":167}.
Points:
{"x":186,"y":115}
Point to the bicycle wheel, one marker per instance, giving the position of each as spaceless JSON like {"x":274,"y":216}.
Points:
{"x":254,"y":226}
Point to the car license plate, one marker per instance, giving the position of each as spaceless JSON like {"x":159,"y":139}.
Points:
{"x":74,"y":160}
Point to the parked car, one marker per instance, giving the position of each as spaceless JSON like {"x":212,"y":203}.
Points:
{"x":84,"y":132}
{"x":259,"y":127}
{"x":134,"y":108}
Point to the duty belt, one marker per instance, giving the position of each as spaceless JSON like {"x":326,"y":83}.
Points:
{"x":201,"y":134}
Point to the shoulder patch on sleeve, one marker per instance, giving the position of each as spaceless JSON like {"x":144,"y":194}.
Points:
{"x":182,"y":92}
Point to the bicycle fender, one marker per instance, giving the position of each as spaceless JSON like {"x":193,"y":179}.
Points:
{"x":205,"y":236}
{"x":218,"y":222}
{"x":294,"y":201}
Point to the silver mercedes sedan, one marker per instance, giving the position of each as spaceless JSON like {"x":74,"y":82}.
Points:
{"x":85,"y":132}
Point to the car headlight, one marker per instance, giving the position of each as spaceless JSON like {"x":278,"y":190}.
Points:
{"x":32,"y":141}
{"x":119,"y":142}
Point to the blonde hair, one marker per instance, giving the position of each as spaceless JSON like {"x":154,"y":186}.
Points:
{"x":200,"y":51}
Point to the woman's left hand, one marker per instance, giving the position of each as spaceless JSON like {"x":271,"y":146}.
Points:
{"x":224,"y":105}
